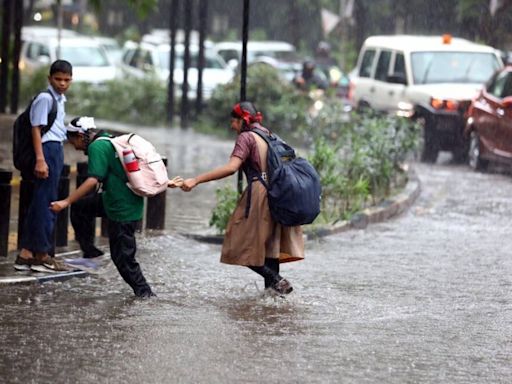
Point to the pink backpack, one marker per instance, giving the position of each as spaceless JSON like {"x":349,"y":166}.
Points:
{"x":144,"y":167}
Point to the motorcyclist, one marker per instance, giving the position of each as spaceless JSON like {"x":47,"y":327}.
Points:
{"x":323,"y":58}
{"x":310,"y":78}
{"x":329,"y":67}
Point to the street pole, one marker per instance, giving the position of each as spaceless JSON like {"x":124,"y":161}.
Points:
{"x":343,"y":32}
{"x":175,"y":6}
{"x":245,"y":38}
{"x":203,"y":22}
{"x":4,"y":54}
{"x":243,"y":74}
{"x":15,"y":81}
{"x":60,"y":18}
{"x":186,"y":64}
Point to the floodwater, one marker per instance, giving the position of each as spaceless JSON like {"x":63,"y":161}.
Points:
{"x":423,"y":298}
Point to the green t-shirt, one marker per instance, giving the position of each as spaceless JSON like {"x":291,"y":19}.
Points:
{"x":120,"y":203}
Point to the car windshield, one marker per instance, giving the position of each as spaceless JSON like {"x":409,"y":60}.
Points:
{"x":452,"y":67}
{"x":211,"y":61}
{"x":84,"y":56}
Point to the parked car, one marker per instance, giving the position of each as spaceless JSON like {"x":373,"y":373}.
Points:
{"x":278,"y":54}
{"x":89,"y":60}
{"x":489,"y":123}
{"x":145,"y":59}
{"x":111,"y":47}
{"x":430,"y":79}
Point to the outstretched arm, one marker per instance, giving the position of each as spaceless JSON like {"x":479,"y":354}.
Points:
{"x":231,"y":167}
{"x":87,"y":186}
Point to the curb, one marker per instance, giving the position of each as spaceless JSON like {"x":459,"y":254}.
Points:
{"x":385,"y":210}
{"x":37,"y":277}
{"x":61,"y":276}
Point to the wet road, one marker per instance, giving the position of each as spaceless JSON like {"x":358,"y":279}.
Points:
{"x":424,"y":298}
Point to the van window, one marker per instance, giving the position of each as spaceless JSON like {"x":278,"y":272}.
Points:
{"x":36,"y":50}
{"x":383,"y":66}
{"x":453,"y":67}
{"x":367,"y":63}
{"x":399,"y":64}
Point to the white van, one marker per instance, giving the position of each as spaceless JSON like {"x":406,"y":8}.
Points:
{"x":428,"y":78}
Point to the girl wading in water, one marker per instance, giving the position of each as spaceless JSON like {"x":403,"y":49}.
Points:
{"x":254,"y":240}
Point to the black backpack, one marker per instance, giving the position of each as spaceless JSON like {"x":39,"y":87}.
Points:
{"x":293,"y":185}
{"x":23,"y":155}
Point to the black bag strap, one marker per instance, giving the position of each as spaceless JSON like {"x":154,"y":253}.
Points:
{"x":249,"y":191}
{"x":269,"y":139}
{"x":52,"y":115}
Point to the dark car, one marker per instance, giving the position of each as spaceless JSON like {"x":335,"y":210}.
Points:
{"x":489,"y":123}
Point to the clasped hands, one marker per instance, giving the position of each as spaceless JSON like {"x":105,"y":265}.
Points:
{"x":185,"y":185}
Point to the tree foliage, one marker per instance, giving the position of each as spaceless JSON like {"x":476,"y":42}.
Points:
{"x":142,"y":7}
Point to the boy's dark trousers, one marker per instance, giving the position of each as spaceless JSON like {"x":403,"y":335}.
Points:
{"x":37,"y":235}
{"x":121,"y":237}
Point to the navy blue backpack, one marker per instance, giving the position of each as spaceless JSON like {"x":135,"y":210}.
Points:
{"x":293,"y":185}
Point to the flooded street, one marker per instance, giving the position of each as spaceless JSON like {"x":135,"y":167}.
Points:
{"x":423,"y":298}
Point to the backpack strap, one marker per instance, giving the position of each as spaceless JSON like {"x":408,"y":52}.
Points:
{"x":254,"y":172}
{"x":52,"y":115}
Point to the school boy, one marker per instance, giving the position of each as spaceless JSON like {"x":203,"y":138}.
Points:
{"x":37,"y":239}
{"x":117,"y":202}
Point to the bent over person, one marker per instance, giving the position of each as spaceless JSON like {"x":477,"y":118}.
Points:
{"x":117,"y":202}
{"x":254,"y":240}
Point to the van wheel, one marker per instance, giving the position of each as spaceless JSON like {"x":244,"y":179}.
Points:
{"x":363,"y":107}
{"x":474,"y":155}
{"x":429,"y":146}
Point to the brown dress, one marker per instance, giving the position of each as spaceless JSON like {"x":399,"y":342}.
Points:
{"x":248,"y":241}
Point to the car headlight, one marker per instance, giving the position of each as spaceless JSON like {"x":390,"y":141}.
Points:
{"x":448,"y":105}
{"x":405,"y":109}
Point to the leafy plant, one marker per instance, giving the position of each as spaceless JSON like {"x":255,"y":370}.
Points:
{"x":129,"y":100}
{"x":135,"y":101}
{"x":227,"y":197}
{"x":359,"y":159}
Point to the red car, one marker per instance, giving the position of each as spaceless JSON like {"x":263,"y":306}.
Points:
{"x":489,"y":123}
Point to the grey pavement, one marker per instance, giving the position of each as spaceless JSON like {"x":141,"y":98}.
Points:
{"x":187,"y":214}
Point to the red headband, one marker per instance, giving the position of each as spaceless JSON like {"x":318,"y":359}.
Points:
{"x":246,"y":115}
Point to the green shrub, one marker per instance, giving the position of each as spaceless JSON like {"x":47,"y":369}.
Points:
{"x":129,"y":100}
{"x":359,"y":159}
{"x":132,"y":100}
{"x":227,"y":197}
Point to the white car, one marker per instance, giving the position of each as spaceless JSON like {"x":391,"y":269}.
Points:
{"x":278,"y":54}
{"x":431,"y":79}
{"x":89,"y":60}
{"x":153,"y":59}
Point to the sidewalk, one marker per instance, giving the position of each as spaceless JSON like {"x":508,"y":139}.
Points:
{"x":188,"y":153}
